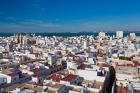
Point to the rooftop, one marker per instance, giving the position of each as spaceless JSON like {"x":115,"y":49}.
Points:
{"x":69,"y":77}
{"x":37,"y":69}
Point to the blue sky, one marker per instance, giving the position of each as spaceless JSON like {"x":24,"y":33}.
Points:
{"x":69,"y":15}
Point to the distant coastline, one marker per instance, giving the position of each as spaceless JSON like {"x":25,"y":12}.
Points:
{"x":67,"y":34}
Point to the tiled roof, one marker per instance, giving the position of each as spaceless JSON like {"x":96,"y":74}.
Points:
{"x":36,"y":76}
{"x":136,"y":63}
{"x":12,"y":74}
{"x":56,"y":78}
{"x":83,"y":66}
{"x":105,"y":65}
{"x":37,"y":69}
{"x":69,"y":77}
{"x":70,"y":55}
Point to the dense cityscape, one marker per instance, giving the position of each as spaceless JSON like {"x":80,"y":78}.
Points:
{"x":69,"y":46}
{"x":83,"y":64}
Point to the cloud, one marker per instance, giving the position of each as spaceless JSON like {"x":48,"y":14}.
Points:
{"x":38,"y":23}
{"x":31,"y":26}
{"x":42,"y":26}
{"x":106,"y":26}
{"x":30,"y":22}
{"x":11,"y":18}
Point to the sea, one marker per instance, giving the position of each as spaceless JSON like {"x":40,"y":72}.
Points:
{"x":68,"y":34}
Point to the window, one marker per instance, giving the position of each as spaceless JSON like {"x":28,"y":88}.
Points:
{"x":14,"y":79}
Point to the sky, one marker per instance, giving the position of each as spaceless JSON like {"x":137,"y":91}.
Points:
{"x":69,"y":15}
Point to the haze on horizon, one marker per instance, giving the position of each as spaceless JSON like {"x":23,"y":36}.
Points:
{"x":69,"y":15}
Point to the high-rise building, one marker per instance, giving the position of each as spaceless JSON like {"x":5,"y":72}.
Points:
{"x":102,"y":34}
{"x":85,"y":44}
{"x":132,"y":36}
{"x":18,"y":38}
{"x":119,"y":34}
{"x":52,"y":59}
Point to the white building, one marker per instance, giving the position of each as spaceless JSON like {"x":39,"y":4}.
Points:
{"x":37,"y":78}
{"x":71,"y":65}
{"x":90,"y":75}
{"x":102,"y":34}
{"x":132,"y":35}
{"x":85,"y":44}
{"x":11,"y":75}
{"x":3,"y":80}
{"x":11,"y":78}
{"x":52,"y":59}
{"x":119,"y":34}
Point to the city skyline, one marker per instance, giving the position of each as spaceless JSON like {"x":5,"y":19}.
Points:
{"x":69,"y":16}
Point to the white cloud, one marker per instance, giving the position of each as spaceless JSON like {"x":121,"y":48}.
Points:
{"x":41,"y":26}
{"x":11,"y":18}
{"x":31,"y":26}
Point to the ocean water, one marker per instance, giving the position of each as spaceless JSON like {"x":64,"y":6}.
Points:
{"x":68,"y":34}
